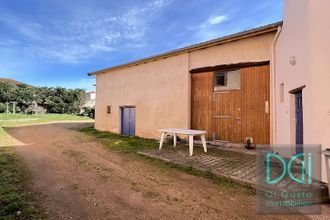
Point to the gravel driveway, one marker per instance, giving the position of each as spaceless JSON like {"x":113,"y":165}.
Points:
{"x":73,"y":176}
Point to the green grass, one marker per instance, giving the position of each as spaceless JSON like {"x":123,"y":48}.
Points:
{"x":122,"y":144}
{"x":14,"y":202}
{"x":10,"y":120}
{"x":132,"y":145}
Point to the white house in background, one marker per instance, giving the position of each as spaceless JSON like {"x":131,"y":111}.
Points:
{"x":90,"y":99}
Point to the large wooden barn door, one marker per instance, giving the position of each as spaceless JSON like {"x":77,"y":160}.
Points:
{"x":226,"y":116}
{"x":233,"y":115}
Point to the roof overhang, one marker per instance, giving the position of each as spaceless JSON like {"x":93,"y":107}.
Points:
{"x":233,"y":37}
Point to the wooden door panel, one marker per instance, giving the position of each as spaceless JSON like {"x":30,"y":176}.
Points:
{"x":201,"y":102}
{"x":226,"y":116}
{"x":222,"y":128}
{"x":255,"y":93}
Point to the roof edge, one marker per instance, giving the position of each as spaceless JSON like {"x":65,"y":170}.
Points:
{"x":218,"y":41}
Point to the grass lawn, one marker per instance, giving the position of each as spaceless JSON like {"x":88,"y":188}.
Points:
{"x":10,"y":120}
{"x":132,"y":145}
{"x":13,"y":200}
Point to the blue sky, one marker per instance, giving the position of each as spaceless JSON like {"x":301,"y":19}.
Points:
{"x":56,"y":42}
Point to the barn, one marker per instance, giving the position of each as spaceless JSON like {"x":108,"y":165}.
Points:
{"x":221,"y":86}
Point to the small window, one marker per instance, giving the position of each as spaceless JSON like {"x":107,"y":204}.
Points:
{"x":109,"y":109}
{"x":230,"y":80}
{"x":221,"y":79}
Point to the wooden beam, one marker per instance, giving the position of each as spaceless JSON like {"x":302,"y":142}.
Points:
{"x":228,"y":66}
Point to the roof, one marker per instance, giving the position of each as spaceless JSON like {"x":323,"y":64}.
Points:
{"x":229,"y":38}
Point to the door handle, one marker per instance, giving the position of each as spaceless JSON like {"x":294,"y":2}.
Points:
{"x":238,"y":118}
{"x":267,"y":107}
{"x":221,"y":116}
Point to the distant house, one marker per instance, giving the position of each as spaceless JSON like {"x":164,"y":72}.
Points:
{"x":90,"y":99}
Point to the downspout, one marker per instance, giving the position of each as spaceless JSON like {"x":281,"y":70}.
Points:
{"x":189,"y":92}
{"x":274,"y":92}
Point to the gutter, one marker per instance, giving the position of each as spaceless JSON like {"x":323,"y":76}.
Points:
{"x":274,"y":90}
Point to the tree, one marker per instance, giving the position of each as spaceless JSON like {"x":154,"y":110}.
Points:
{"x":7,"y":92}
{"x":24,"y":97}
{"x":53,"y":100}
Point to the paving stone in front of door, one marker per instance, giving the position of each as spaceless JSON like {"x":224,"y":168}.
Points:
{"x":235,"y":165}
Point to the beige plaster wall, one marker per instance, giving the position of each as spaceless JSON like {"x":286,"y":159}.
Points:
{"x":305,"y":35}
{"x":252,"y":49}
{"x":160,"y":90}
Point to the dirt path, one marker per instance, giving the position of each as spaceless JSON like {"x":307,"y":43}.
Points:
{"x":76,"y":177}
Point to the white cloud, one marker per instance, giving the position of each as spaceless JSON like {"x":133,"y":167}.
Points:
{"x":159,"y":3}
{"x":76,"y":41}
{"x":209,"y":28}
{"x":210,"y":22}
{"x":217,"y":19}
{"x":102,"y":47}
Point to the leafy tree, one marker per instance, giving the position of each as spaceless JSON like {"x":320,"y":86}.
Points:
{"x":24,"y":97}
{"x":53,"y":100}
{"x":7,"y":92}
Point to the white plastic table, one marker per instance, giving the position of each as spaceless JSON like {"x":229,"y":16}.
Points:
{"x":190,"y":133}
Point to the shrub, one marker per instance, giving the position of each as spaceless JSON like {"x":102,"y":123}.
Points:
{"x":35,"y":109}
{"x":3,"y":107}
{"x":88,"y":111}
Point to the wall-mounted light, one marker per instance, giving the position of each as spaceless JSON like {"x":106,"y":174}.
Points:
{"x":109,"y":109}
{"x":293,"y":60}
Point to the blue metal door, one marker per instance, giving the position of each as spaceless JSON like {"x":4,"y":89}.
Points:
{"x":125,"y":121}
{"x":299,"y":122}
{"x":132,"y":122}
{"x":128,"y":121}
